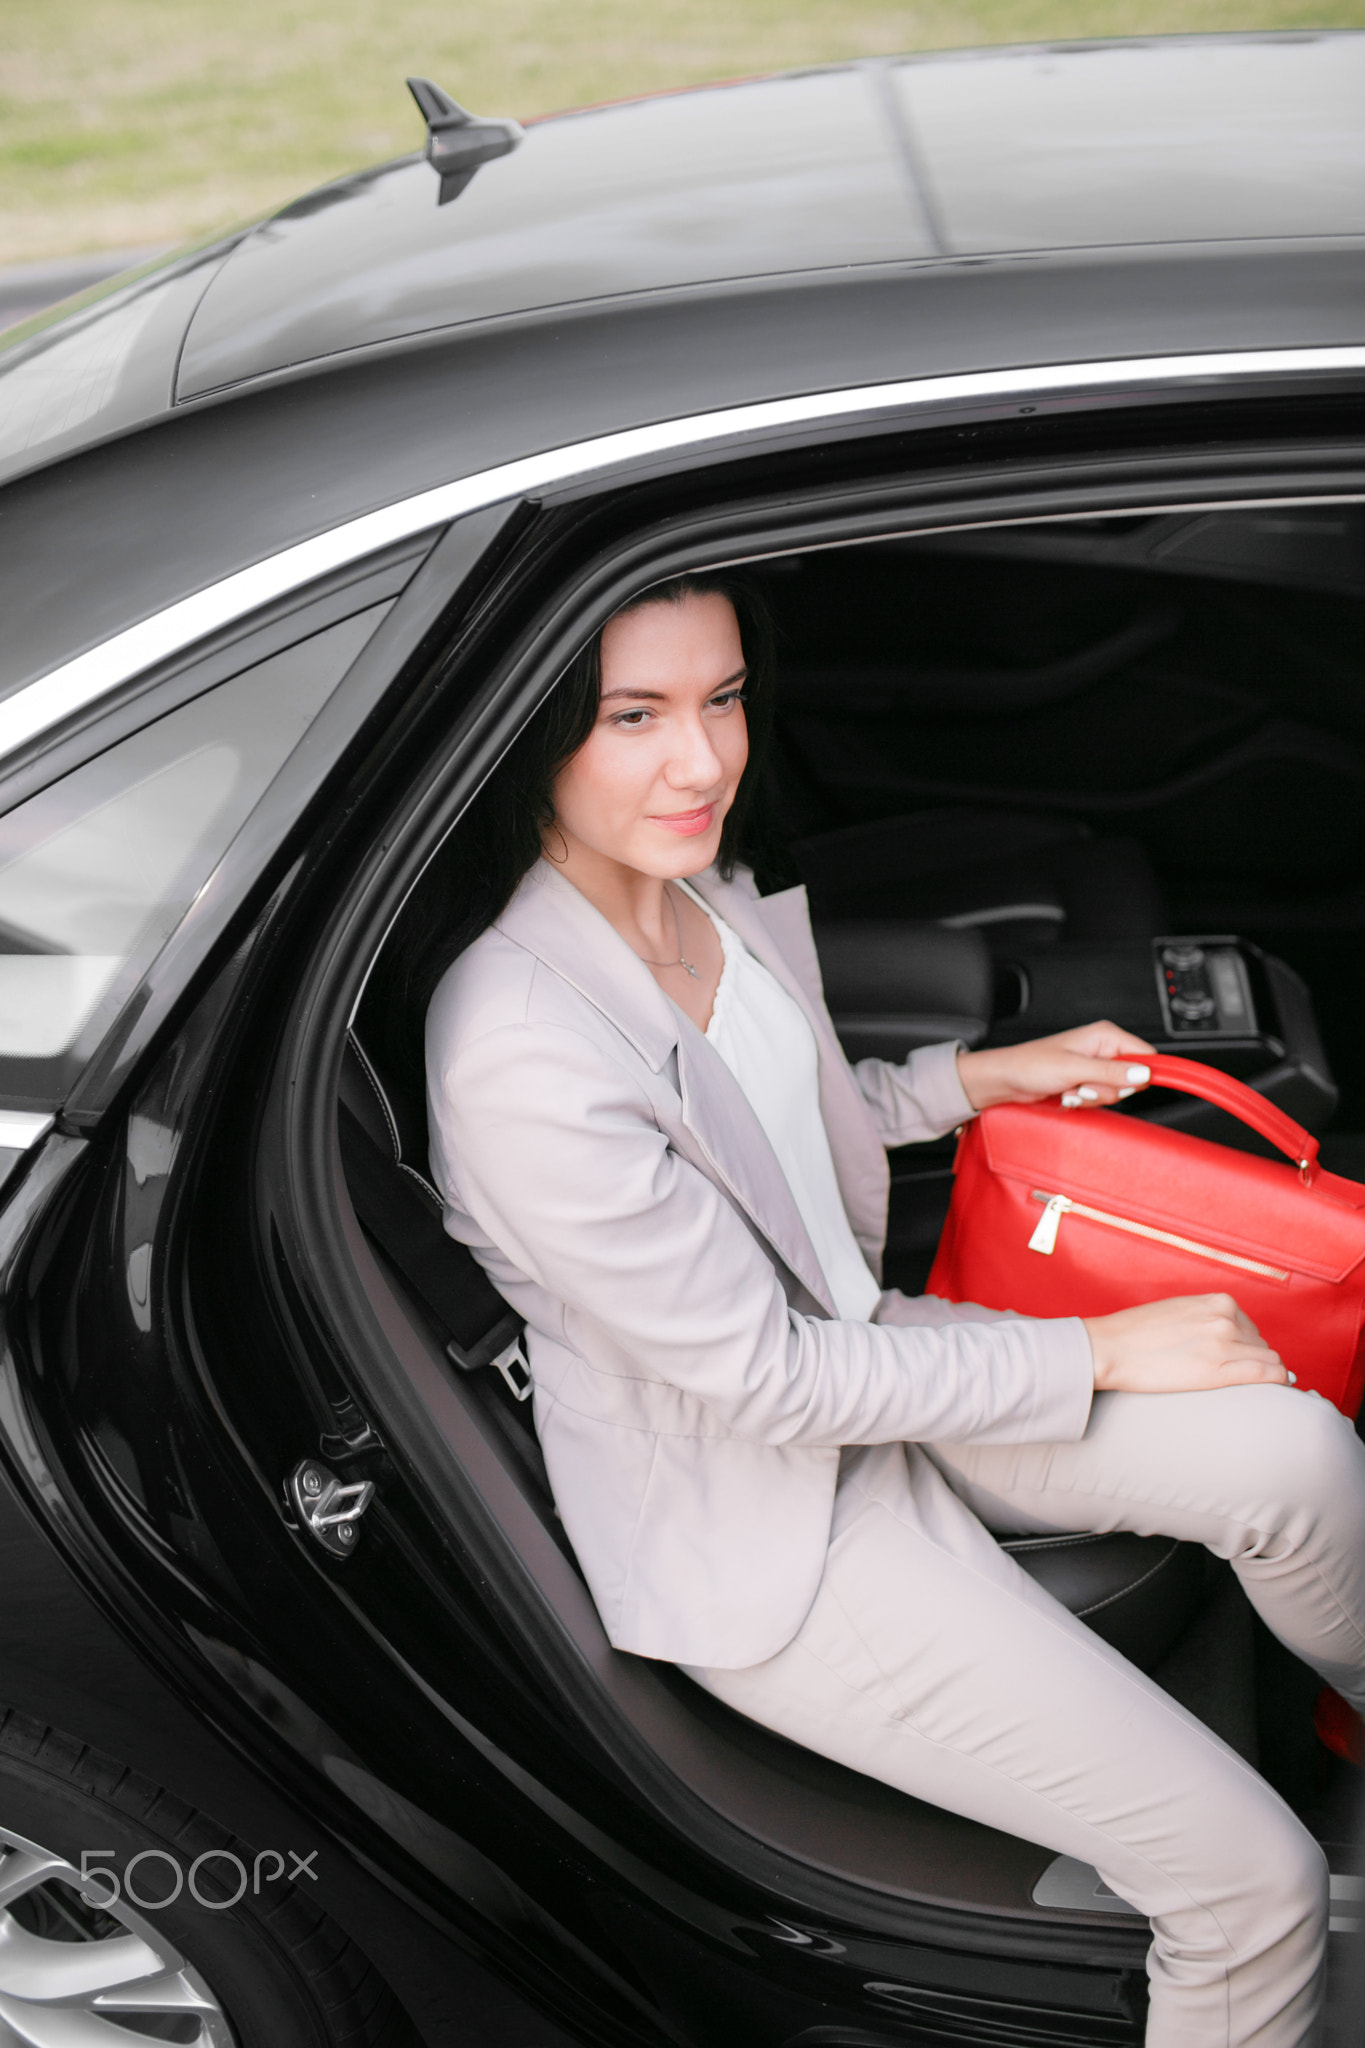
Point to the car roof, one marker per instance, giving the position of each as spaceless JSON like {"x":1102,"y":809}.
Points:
{"x":886,"y":162}
{"x":324,"y":397}
{"x":892,"y":167}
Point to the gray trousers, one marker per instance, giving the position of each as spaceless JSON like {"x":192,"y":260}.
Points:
{"x":931,"y":1661}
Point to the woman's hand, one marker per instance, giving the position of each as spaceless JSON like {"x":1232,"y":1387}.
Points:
{"x":1089,"y":1067}
{"x":1180,"y":1346}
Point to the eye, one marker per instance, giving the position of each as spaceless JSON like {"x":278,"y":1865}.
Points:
{"x":725,"y":700}
{"x":631,"y":721}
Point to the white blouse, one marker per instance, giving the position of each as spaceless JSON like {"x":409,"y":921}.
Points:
{"x":764,"y":1039}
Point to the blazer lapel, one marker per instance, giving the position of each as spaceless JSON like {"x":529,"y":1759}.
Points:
{"x":777,"y":931}
{"x":556,"y":922}
{"x":735,"y":1145}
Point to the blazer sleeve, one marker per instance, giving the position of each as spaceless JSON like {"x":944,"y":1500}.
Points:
{"x":553,"y":1150}
{"x":922,"y":1099}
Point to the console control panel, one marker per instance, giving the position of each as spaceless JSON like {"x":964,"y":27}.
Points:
{"x":1204,"y":989}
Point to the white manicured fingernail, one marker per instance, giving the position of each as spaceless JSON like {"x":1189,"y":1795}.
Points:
{"x":1124,"y":1093}
{"x":1293,"y":1379}
{"x":1071,"y":1102}
{"x":1088,"y":1094}
{"x":1139,"y":1075}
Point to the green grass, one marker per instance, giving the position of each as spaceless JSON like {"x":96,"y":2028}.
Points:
{"x":130,"y":122}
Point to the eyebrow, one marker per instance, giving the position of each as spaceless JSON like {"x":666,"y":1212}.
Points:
{"x":660,"y":696}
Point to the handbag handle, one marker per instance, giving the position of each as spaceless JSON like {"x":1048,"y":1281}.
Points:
{"x":1190,"y":1077}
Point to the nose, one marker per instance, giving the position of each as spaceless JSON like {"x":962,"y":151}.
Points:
{"x":694,"y":764}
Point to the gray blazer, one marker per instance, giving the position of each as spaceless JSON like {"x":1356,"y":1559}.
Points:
{"x":692,"y":1388}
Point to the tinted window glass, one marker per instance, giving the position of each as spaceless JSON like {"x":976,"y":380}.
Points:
{"x":97,"y":870}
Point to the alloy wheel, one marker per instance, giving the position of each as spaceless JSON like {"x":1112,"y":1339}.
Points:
{"x":78,"y":1973}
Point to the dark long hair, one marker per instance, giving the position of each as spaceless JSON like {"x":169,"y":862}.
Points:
{"x":474,"y":876}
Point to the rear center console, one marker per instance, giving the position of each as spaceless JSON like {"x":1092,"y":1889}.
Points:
{"x":1218,"y":999}
{"x":893,"y":986}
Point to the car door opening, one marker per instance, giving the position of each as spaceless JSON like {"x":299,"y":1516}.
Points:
{"x":1029,"y":774}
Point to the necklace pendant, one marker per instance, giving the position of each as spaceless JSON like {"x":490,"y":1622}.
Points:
{"x":690,"y":968}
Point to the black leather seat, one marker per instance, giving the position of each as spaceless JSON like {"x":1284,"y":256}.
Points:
{"x":1138,"y":1592}
{"x":1017,"y":877}
{"x":893,"y":985}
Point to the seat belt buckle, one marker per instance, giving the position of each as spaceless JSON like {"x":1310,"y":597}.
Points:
{"x":510,"y":1362}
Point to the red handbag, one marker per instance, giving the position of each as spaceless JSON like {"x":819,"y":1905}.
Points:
{"x":1080,"y":1212}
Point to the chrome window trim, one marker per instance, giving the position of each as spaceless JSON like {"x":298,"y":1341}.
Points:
{"x":20,"y":1129}
{"x":42,"y":703}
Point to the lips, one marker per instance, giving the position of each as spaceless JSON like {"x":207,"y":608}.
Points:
{"x":687,"y":824}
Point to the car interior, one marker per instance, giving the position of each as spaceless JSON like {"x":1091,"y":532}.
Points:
{"x":1030,"y":775}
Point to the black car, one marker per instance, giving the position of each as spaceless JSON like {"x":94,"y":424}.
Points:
{"x":1030,"y":386}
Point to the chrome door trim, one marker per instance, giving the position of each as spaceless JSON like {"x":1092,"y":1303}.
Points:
{"x":30,"y":710}
{"x":20,"y":1129}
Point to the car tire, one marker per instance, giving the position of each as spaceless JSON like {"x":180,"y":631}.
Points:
{"x":268,"y":1971}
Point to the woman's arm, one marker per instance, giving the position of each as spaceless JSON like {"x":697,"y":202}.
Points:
{"x":553,"y":1149}
{"x":1089,"y":1067}
{"x":922,"y":1098}
{"x":941,"y":1086}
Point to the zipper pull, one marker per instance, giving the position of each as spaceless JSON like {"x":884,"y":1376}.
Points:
{"x":1044,"y":1238}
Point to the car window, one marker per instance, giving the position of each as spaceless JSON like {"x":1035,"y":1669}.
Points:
{"x":98,"y":869}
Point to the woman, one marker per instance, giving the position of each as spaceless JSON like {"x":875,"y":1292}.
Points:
{"x":783,"y":1478}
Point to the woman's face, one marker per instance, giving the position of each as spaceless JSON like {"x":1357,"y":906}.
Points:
{"x":650,"y":786}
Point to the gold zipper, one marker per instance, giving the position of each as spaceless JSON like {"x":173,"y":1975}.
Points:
{"x":1044,"y":1238}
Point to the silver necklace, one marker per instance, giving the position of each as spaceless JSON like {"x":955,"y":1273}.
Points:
{"x":677,"y":932}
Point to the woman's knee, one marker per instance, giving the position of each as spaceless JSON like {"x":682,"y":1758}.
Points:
{"x":1296,"y":1864}
{"x":1297,"y":1888}
{"x":1297,"y":1448}
{"x":1267,"y":1881}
